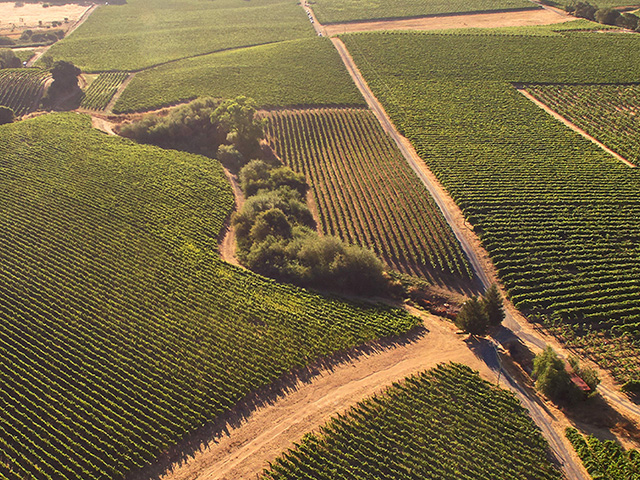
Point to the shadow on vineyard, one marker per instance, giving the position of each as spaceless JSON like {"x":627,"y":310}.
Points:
{"x":266,"y":395}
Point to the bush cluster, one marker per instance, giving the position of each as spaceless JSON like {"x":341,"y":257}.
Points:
{"x":8,"y":59}
{"x":606,"y":16}
{"x":275,"y":236}
{"x":41,"y":36}
{"x":479,"y":314}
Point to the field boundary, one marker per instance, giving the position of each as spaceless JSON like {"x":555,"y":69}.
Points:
{"x":522,"y":89}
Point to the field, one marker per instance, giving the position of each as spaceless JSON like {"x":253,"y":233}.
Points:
{"x":98,"y":95}
{"x":308,"y":72}
{"x":605,"y":460}
{"x":365,"y":191}
{"x":606,"y":112}
{"x":122,"y":329}
{"x":337,"y":11}
{"x":142,"y":34}
{"x":559,"y":216}
{"x":21,"y":88}
{"x":436,"y":425}
{"x":34,"y":16}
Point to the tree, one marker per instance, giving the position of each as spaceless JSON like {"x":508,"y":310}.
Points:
{"x":244,"y":129}
{"x":607,"y":16}
{"x":6,"y":115}
{"x":552,"y":379}
{"x":272,"y":222}
{"x":65,"y":76}
{"x":8,"y":59}
{"x":493,"y":307}
{"x":628,"y":21}
{"x":472,"y":318}
{"x":585,"y":10}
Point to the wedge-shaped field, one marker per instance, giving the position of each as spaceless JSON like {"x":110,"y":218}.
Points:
{"x":559,"y":216}
{"x":102,"y":90}
{"x":446,"y":423}
{"x":337,"y":11}
{"x":364,"y":189}
{"x":608,"y":113}
{"x":605,"y":460}
{"x":301,"y":72}
{"x":121,"y":329}
{"x":21,"y":88}
{"x":143,"y":33}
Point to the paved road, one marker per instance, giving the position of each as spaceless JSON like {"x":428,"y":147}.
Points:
{"x":542,"y":418}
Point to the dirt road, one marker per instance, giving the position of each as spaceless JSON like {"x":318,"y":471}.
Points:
{"x":243,"y":452}
{"x":442,"y":22}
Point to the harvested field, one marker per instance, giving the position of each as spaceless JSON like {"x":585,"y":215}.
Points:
{"x":16,"y":19}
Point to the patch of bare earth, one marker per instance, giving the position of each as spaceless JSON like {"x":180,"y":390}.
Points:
{"x":227,"y":244}
{"x":33,"y":16}
{"x":524,"y":18}
{"x":243,"y":450}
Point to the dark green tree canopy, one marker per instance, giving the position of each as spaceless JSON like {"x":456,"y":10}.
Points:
{"x":493,"y":306}
{"x":244,"y":129}
{"x":6,"y":115}
{"x":472,"y":317}
{"x":65,"y":75}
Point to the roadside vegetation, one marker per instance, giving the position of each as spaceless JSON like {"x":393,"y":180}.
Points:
{"x":445,"y":423}
{"x":606,"y":15}
{"x":113,"y":259}
{"x":558,"y":216}
{"x":339,"y":11}
{"x":605,"y":460}
{"x":365,"y":191}
{"x":309,"y":72}
{"x":479,"y":315}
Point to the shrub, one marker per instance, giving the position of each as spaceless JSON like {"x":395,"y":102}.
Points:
{"x":607,"y":16}
{"x":6,"y":115}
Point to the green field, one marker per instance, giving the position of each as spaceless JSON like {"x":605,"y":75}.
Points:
{"x":21,"y":89}
{"x":559,"y":216}
{"x":98,"y":95}
{"x":605,"y":460}
{"x":338,"y":11}
{"x":444,"y":424}
{"x":364,"y":189}
{"x":144,"y":33}
{"x":122,"y":330}
{"x":609,"y":113}
{"x":301,"y":72}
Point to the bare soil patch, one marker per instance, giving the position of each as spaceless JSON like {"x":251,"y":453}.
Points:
{"x":15,"y":19}
{"x":525,"y":18}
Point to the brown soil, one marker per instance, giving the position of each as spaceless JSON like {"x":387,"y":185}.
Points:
{"x":17,"y":19}
{"x":572,"y":125}
{"x":524,"y":18}
{"x":227,"y":243}
{"x":243,"y":450}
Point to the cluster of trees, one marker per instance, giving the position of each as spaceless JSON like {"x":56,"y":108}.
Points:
{"x":478,"y":315}
{"x":607,"y":16}
{"x":229,"y":131}
{"x":41,"y":36}
{"x":8,"y":59}
{"x":6,"y":41}
{"x":553,"y":379}
{"x":65,"y":83}
{"x":7,"y":115}
{"x":275,"y":236}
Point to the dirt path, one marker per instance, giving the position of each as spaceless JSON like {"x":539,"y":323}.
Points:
{"x":227,"y":244}
{"x":572,"y":125}
{"x":116,"y":96}
{"x":243,"y":452}
{"x":516,"y":18}
{"x":41,"y":51}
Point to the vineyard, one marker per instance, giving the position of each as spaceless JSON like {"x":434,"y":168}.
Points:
{"x":559,"y":217}
{"x":113,"y":292}
{"x":605,"y":460}
{"x":309,"y":72}
{"x":446,"y":423}
{"x":129,"y":37}
{"x":606,"y":112}
{"x":365,"y":191}
{"x":22,"y":88}
{"x":102,"y":90}
{"x":336,"y":11}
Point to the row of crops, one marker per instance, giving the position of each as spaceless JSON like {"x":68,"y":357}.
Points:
{"x":605,"y":460}
{"x":609,"y":113}
{"x":21,"y":88}
{"x":446,"y":423}
{"x":559,"y":216}
{"x":365,"y":191}
{"x":122,"y":330}
{"x":102,"y":90}
{"x":308,"y":72}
